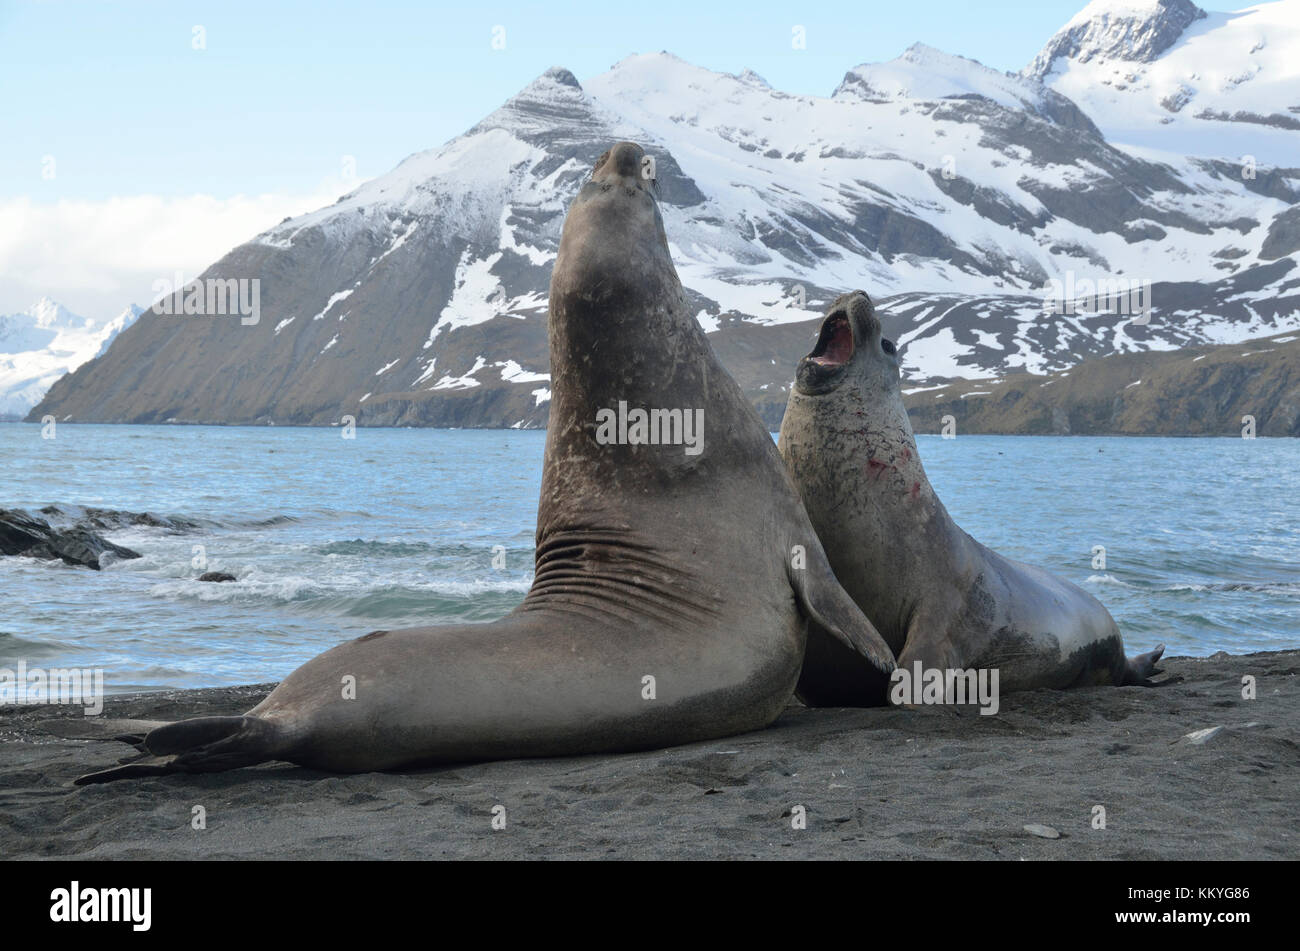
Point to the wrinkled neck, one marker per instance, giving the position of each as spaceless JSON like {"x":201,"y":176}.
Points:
{"x":854,"y":456}
{"x":897,"y":495}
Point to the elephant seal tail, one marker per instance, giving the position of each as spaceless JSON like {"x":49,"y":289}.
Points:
{"x":200,"y":745}
{"x":1139,"y":670}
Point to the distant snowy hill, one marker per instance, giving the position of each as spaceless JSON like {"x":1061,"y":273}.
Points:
{"x":42,"y":343}
{"x":955,"y":194}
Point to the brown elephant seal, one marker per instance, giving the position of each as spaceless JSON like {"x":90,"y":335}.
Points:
{"x":675,"y":566}
{"x":935,"y":594}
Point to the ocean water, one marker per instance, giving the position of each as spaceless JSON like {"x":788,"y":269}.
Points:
{"x":330,"y":538}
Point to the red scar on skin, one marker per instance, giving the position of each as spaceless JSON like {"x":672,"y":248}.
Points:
{"x":907,"y":454}
{"x":916,"y":490}
{"x":875,"y":465}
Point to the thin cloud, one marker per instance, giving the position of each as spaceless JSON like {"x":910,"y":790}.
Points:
{"x":95,"y":257}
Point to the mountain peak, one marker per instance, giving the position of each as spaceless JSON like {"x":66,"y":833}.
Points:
{"x":552,"y":101}
{"x":747,"y":75}
{"x":920,"y":72}
{"x":556,"y":83}
{"x":1130,"y":30}
{"x":115,"y":326}
{"x":923,"y":52}
{"x":923,"y":72}
{"x":44,"y":342}
{"x":560,"y":75}
{"x":49,"y":313}
{"x":660,"y":60}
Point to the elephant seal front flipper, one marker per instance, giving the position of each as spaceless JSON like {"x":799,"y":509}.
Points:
{"x":843,"y":666}
{"x":937,"y":596}
{"x":665,"y":606}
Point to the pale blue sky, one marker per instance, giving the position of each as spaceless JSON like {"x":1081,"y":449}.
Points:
{"x":116,"y":93}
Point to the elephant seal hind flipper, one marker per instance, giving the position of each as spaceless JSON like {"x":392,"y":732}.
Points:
{"x":663,"y":609}
{"x":1139,"y":670}
{"x":199,"y":740}
{"x":100,"y":728}
{"x":936,"y":595}
{"x":136,"y":768}
{"x":197,"y":745}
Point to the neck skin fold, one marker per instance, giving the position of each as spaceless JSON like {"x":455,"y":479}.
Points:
{"x":853,"y":454}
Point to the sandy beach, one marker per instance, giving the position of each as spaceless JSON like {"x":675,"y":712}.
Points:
{"x":919,"y":783}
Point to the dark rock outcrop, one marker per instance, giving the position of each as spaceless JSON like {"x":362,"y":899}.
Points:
{"x":1283,"y":235}
{"x":24,"y":534}
{"x":107,"y":520}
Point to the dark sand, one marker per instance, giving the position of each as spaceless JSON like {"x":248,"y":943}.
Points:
{"x":925,"y":783}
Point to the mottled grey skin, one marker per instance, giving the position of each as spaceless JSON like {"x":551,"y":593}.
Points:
{"x":935,"y":594}
{"x":649,"y":561}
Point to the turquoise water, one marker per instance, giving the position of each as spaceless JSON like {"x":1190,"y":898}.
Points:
{"x":330,"y":538}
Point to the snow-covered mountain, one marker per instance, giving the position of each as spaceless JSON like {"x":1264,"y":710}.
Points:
{"x":1167,"y":77}
{"x":42,"y":343}
{"x":958,"y":195}
{"x":1135,"y":31}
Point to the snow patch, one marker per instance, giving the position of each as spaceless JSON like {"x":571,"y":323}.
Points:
{"x":512,"y":372}
{"x":334,"y":299}
{"x":461,"y":382}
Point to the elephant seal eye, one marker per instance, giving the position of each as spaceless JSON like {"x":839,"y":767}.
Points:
{"x":887,"y":345}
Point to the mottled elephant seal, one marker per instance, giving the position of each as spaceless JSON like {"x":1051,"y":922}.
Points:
{"x":935,"y":594}
{"x":675,"y":566}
